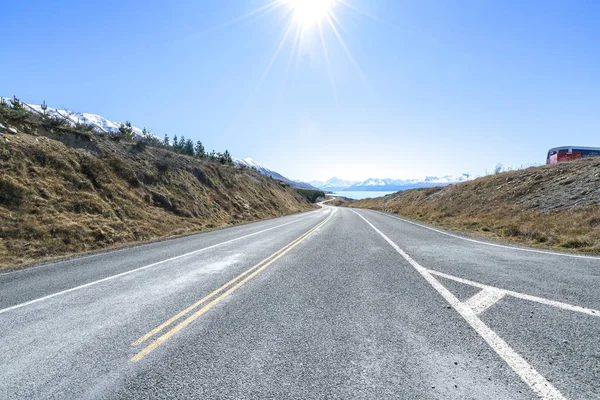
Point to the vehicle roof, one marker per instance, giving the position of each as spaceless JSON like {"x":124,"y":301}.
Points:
{"x":573,"y":147}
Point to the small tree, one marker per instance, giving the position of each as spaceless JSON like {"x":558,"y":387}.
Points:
{"x":181,"y":145}
{"x":199,"y":150}
{"x":226,"y":158}
{"x":16,"y":104}
{"x":44,"y":107}
{"x":126,"y":131}
{"x":175,"y":143}
{"x":189,"y":147}
{"x":166,"y":141}
{"x":499,"y":168}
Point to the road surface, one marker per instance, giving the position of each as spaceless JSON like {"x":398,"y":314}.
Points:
{"x":334,"y":303}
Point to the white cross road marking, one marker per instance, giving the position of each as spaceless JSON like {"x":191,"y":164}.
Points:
{"x":541,"y":300}
{"x":484,"y":300}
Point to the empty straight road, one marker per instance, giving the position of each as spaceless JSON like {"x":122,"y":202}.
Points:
{"x":334,"y":303}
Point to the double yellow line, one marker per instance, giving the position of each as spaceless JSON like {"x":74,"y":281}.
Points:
{"x":218,"y":296}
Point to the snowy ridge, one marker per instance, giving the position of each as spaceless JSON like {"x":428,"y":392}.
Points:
{"x":250,"y":163}
{"x":402,"y":184}
{"x":73,"y":118}
{"x":334,"y":184}
{"x":377,"y":184}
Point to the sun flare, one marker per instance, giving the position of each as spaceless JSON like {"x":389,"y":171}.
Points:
{"x":310,"y":12}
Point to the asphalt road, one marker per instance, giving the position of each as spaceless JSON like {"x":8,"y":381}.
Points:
{"x":334,"y":303}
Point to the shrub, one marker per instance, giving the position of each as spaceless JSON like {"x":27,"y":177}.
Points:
{"x":125,"y":133}
{"x":576,"y":243}
{"x":54,"y":122}
{"x":140,"y":145}
{"x":311,"y":195}
{"x":83,"y":127}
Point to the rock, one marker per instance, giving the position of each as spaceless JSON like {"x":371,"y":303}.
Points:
{"x":12,"y":130}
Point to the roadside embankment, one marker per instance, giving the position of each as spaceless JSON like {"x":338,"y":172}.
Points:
{"x":63,"y":193}
{"x":552,"y":206}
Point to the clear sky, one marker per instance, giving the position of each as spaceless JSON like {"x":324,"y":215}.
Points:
{"x":413,"y":88}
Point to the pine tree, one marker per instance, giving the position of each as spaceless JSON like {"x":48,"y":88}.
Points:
{"x":181,"y":145}
{"x":126,"y":131}
{"x":166,"y":140}
{"x":16,"y":104}
{"x":227,"y":158}
{"x":44,"y":106}
{"x":200,"y":153}
{"x":175,"y":143}
{"x":189,"y":147}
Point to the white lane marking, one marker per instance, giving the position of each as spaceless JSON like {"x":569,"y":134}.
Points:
{"x":558,"y":304}
{"x":484,"y":299}
{"x":134,"y":246}
{"x":27,"y":303}
{"x":552,"y":253}
{"x":526,"y":372}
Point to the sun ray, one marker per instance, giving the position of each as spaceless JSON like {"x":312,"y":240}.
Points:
{"x":293,"y":54}
{"x":251,"y":95}
{"x":272,"y":6}
{"x":342,"y":27}
{"x":290,"y":25}
{"x":325,"y":52}
{"x":347,"y":50}
{"x":364,"y":13}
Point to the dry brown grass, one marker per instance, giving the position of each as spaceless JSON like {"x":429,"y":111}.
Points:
{"x":73,"y":195}
{"x":556,"y":206}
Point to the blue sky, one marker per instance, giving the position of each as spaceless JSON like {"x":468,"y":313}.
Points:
{"x":431,"y":87}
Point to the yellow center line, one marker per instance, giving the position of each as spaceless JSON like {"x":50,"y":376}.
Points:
{"x":258,"y":268}
{"x":197,"y":304}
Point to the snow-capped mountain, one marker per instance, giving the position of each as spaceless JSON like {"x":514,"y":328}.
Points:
{"x":334,"y":184}
{"x":250,"y":163}
{"x":376,"y":184}
{"x":72,"y":118}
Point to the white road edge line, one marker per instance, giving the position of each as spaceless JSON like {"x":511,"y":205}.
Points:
{"x":526,"y":372}
{"x":552,"y":253}
{"x":553,"y":303}
{"x":50,"y":296}
{"x":138,"y":246}
{"x":484,"y":299}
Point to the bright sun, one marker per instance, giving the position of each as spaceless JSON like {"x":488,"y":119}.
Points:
{"x":308,"y":12}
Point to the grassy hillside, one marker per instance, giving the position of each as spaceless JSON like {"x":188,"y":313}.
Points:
{"x":555,"y":206}
{"x":65,"y":191}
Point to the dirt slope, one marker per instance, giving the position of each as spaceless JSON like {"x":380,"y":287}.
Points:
{"x":65,"y":193}
{"x":555,"y":206}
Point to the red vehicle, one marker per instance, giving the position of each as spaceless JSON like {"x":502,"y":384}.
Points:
{"x":568,"y":153}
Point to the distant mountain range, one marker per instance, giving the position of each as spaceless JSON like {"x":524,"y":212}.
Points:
{"x":334,"y":184}
{"x":388,"y":185}
{"x":372,"y":184}
{"x":250,"y":163}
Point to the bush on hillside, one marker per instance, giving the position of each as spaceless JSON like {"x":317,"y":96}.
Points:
{"x":311,"y":195}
